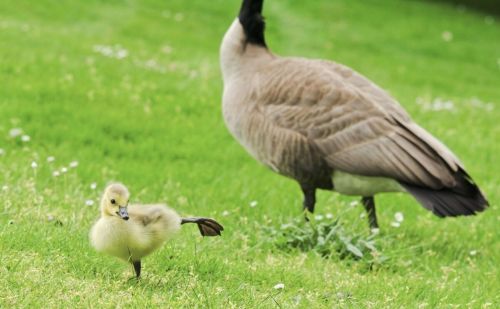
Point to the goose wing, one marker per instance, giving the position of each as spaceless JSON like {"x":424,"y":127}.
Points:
{"x":358,"y":127}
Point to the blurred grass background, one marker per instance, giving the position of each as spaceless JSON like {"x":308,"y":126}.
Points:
{"x":131,"y":90}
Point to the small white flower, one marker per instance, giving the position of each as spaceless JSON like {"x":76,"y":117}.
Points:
{"x":56,"y":173}
{"x":329,"y":216}
{"x":34,"y":165}
{"x":5,"y":188}
{"x":64,"y":170}
{"x":375,"y":231}
{"x":167,"y":49}
{"x":399,"y":217}
{"x":73,"y":164}
{"x":473,"y":252}
{"x":439,"y":104}
{"x":279,"y":286}
{"x":318,"y":217}
{"x":225,"y":213}
{"x":395,"y":224}
{"x":50,"y":159}
{"x":50,"y":218}
{"x":178,"y":17}
{"x":121,"y":53}
{"x":447,"y":36}
{"x":15,"y":132}
{"x":89,"y":202}
{"x":25,"y":138}
{"x":93,"y":186}
{"x":353,"y":203}
{"x":362,"y":215}
{"x":253,"y":204}
{"x":116,"y":51}
{"x":2,"y":152}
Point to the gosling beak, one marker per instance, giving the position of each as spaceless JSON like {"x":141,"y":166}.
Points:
{"x":123,"y":213}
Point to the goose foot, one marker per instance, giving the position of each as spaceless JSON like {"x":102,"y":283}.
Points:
{"x":309,"y":200}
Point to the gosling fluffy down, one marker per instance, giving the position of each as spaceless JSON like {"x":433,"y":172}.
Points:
{"x":132,"y":232}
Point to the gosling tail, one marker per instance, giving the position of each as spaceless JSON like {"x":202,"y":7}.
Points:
{"x":207,"y":227}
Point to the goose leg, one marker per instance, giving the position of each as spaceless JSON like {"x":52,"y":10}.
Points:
{"x":137,"y":268}
{"x":369,"y":204}
{"x":309,"y":199}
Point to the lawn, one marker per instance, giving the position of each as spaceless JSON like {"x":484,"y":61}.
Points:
{"x":97,"y":91}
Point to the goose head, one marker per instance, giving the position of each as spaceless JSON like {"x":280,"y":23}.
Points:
{"x":115,"y":201}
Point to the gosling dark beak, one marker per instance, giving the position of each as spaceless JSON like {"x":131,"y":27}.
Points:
{"x":123,"y":213}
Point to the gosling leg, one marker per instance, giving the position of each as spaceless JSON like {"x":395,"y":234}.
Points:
{"x":369,"y":204}
{"x":137,"y":268}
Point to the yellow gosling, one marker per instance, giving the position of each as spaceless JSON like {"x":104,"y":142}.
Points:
{"x":132,"y":232}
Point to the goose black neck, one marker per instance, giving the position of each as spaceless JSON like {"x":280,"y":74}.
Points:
{"x":252,"y":21}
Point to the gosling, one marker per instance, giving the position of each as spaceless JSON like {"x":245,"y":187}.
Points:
{"x":132,"y":232}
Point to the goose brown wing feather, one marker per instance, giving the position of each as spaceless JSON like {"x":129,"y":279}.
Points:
{"x":358,"y":127}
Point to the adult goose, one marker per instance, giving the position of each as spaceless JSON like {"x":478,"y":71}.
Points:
{"x":328,"y":127}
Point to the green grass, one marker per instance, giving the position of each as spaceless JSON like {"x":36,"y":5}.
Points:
{"x":153,"y":121}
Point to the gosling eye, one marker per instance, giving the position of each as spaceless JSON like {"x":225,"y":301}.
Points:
{"x":113,"y":201}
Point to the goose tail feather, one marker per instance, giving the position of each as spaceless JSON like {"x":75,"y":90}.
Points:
{"x":464,"y":199}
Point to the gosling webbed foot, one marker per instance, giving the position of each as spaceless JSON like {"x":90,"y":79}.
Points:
{"x":207,"y":226}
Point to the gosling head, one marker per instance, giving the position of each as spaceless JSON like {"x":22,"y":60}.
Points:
{"x":115,"y":201}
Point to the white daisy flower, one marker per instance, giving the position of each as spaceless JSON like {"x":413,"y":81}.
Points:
{"x":395,"y":224}
{"x":73,"y":164}
{"x":15,"y":132}
{"x":447,"y":36}
{"x":279,"y":286}
{"x":25,"y":138}
{"x":50,"y":159}
{"x":93,"y":186}
{"x":89,"y":202}
{"x":253,"y":204}
{"x":399,"y":217}
{"x":34,"y":165}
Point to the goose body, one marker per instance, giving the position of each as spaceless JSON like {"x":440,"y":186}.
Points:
{"x":133,"y":232}
{"x":328,"y":127}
